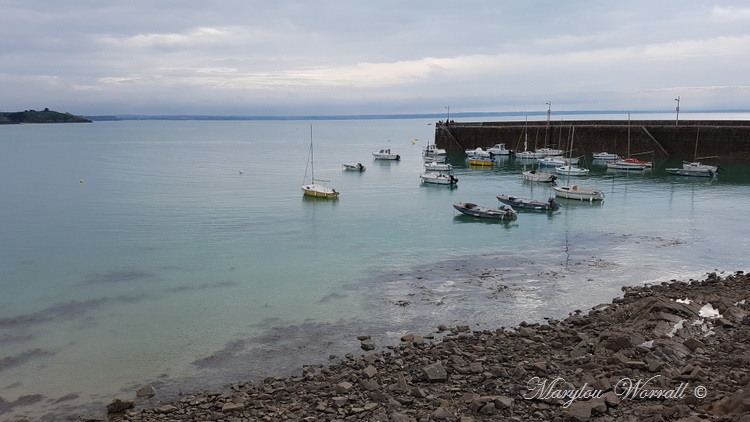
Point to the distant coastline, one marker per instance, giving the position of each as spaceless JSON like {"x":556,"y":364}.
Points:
{"x":437,"y":116}
{"x":44,"y":116}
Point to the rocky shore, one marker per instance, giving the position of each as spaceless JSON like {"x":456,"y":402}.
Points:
{"x":678,"y":351}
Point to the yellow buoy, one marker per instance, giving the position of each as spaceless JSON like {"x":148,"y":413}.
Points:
{"x":81,"y":181}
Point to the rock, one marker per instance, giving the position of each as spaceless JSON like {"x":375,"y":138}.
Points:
{"x":693,"y":344}
{"x":119,"y":405}
{"x":367,"y":344}
{"x":370,"y":371}
{"x":343,"y":387}
{"x":167,"y":408}
{"x":435,"y":372}
{"x":441,"y":414}
{"x":232,"y":407}
{"x":146,"y":391}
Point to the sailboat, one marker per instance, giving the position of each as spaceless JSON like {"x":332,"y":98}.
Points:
{"x":695,"y":168}
{"x":574,"y":191}
{"x":629,"y":163}
{"x":316,"y":189}
{"x":569,"y":168}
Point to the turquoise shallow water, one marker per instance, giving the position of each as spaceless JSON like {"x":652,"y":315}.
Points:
{"x":137,"y":252}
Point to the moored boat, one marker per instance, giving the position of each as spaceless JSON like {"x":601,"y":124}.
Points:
{"x":505,"y":212}
{"x":481,"y":161}
{"x":605,"y":156}
{"x":571,"y":170}
{"x":317,"y":190}
{"x":354,"y":166}
{"x":439,"y":178}
{"x":629,"y":164}
{"x":436,"y":166}
{"x":432,"y":151}
{"x":579,"y":193}
{"x":539,"y":176}
{"x":695,"y":169}
{"x":386,"y":154}
{"x":529,"y":204}
{"x":499,"y":149}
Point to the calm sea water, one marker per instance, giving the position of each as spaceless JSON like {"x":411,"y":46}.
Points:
{"x":183,"y":252}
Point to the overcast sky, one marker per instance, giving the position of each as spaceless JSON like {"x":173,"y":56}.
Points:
{"x":324,"y":57}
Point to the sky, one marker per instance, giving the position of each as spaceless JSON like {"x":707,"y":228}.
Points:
{"x":325,"y":57}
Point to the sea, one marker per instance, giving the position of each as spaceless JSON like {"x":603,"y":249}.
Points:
{"x":183,"y":254}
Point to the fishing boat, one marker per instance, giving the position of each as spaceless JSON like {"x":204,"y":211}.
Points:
{"x":386,"y":154}
{"x":529,"y":204}
{"x":317,"y":190}
{"x":432,"y":151}
{"x":437,"y":166}
{"x":579,"y":193}
{"x":539,"y":176}
{"x":499,"y":149}
{"x":439,"y":178}
{"x":353,"y":166}
{"x":478,"y":153}
{"x":505,"y":212}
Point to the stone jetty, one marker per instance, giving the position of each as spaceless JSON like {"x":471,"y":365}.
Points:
{"x":677,"y":351}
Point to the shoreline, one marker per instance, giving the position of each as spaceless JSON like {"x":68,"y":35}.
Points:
{"x":661,"y":337}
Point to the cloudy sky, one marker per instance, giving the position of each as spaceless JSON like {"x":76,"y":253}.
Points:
{"x":325,"y":57}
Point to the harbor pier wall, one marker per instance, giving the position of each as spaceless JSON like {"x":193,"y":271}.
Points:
{"x":726,"y":140}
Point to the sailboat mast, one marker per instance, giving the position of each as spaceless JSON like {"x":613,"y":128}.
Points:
{"x":695,"y":153}
{"x":312,"y":156}
{"x":628,"y":135}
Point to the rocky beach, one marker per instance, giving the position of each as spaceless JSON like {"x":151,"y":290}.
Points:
{"x":678,"y":351}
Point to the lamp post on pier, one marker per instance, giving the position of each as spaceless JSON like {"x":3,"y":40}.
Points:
{"x":677,"y":110}
{"x":549,"y":111}
{"x":449,"y":115}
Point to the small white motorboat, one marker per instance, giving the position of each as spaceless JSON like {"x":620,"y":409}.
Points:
{"x":579,"y":193}
{"x":353,"y":166}
{"x":439,"y":178}
{"x":436,"y":166}
{"x":539,"y":176}
{"x":386,"y":154}
{"x":572,"y":170}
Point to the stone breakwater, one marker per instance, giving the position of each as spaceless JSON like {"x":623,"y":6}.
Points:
{"x":728,"y":140}
{"x":678,"y":351}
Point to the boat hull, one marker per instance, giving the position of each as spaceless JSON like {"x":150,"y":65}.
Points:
{"x":691,"y":172}
{"x":481,"y":162}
